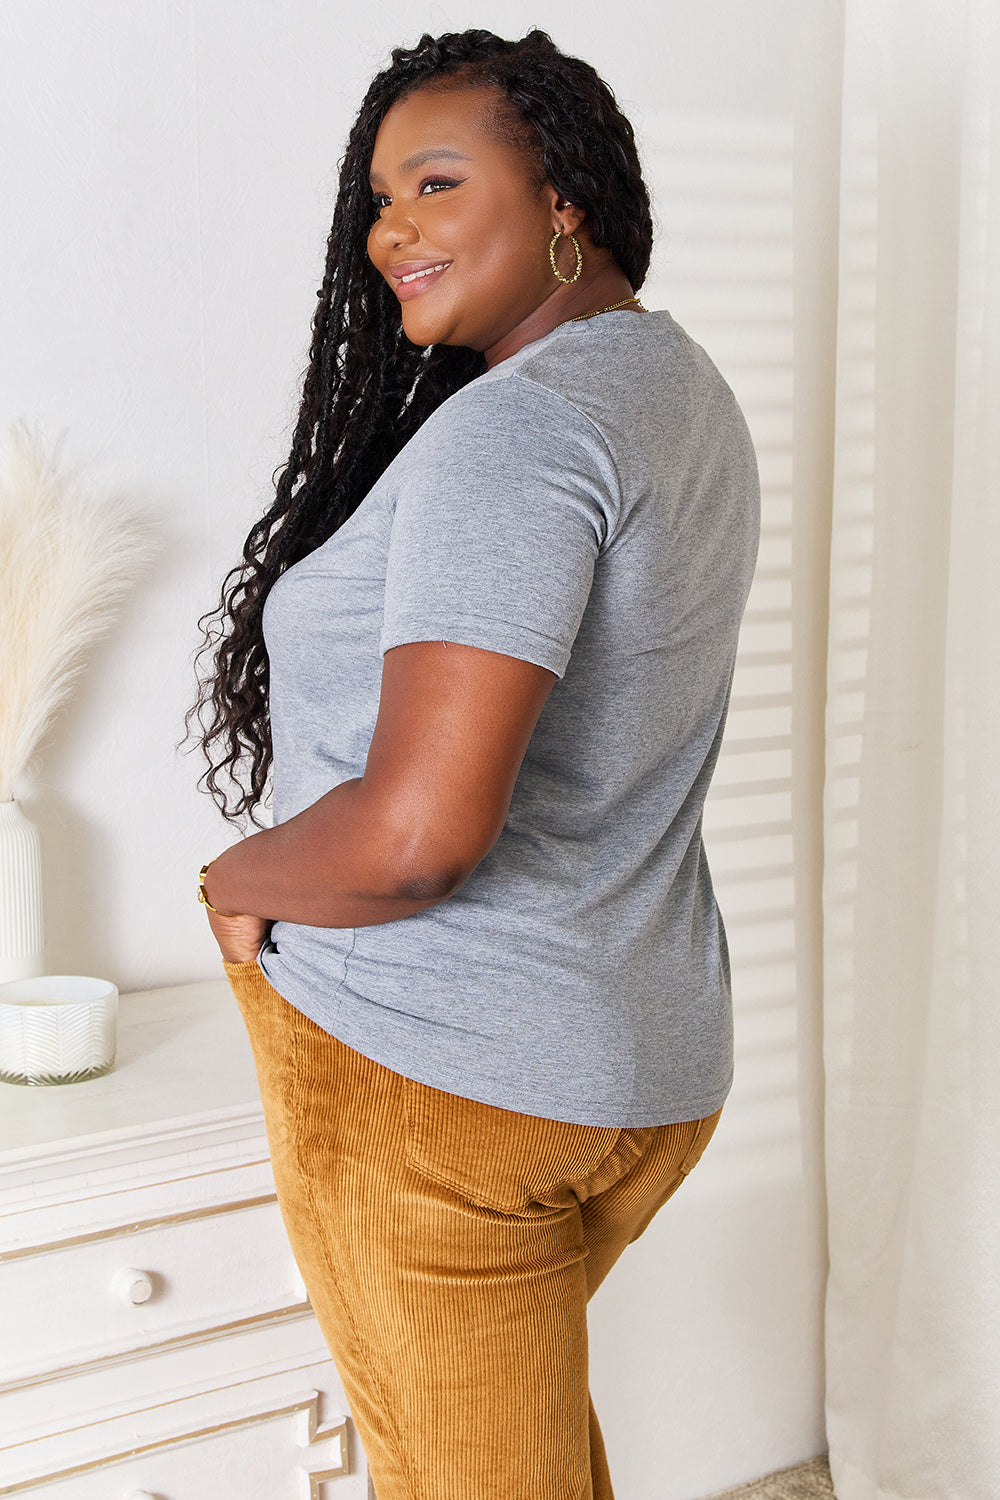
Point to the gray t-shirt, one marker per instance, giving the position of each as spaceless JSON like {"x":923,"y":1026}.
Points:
{"x":591,"y":505}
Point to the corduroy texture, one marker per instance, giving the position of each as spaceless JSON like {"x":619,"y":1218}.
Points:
{"x":449,"y":1249}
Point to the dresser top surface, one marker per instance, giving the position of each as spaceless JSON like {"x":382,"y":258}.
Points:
{"x":182,"y":1053}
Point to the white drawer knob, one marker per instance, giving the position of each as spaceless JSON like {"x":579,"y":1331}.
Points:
{"x":134,"y":1288}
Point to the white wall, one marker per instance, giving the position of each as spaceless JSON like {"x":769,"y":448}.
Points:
{"x":169,"y":177}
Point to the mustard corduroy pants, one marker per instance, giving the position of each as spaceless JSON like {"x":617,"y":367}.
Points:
{"x":449,"y":1249}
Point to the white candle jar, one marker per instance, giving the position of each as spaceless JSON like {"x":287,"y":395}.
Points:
{"x":58,"y":1028}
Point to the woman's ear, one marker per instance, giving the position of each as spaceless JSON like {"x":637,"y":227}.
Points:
{"x":567,"y":218}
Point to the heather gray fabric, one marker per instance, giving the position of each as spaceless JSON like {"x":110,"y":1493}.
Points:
{"x":590,"y":505}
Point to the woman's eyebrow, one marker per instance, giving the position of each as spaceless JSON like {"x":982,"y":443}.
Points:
{"x":432,"y":153}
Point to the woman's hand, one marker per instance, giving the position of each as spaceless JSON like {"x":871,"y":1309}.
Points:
{"x":239,"y":938}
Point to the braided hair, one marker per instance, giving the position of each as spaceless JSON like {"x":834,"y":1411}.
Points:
{"x":367,"y":389}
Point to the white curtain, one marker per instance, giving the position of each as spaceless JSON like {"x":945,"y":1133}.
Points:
{"x":912,"y":810}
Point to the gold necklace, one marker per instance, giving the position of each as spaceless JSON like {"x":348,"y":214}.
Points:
{"x":613,"y":308}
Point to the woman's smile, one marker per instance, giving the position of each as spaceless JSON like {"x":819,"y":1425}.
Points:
{"x":413,"y":278}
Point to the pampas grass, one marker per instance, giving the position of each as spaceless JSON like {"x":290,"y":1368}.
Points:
{"x":66,"y":562}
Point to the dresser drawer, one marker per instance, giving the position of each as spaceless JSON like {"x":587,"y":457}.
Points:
{"x":120,"y":1292}
{"x":273,"y":1456}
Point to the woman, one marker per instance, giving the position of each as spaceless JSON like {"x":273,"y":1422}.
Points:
{"x":486,"y":632}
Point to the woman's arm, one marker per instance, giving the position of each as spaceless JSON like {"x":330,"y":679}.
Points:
{"x":452,"y":728}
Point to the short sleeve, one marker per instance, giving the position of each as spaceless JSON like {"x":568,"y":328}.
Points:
{"x":502,"y":502}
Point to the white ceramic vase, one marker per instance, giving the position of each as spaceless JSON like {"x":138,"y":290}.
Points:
{"x":21,"y":937}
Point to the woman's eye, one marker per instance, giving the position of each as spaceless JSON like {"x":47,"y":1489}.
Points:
{"x":432,"y":185}
{"x":435,"y":184}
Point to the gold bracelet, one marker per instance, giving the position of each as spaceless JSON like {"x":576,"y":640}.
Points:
{"x":204,"y":899}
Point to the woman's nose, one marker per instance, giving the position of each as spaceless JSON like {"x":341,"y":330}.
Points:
{"x":394,"y":228}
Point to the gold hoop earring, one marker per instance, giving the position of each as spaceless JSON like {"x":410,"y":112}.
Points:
{"x":566,"y":280}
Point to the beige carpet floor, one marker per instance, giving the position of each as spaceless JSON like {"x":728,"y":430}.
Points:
{"x":808,"y":1481}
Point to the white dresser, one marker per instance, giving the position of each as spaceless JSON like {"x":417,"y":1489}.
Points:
{"x":155,"y":1338}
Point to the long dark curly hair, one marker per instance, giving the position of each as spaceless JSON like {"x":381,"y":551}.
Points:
{"x":367,"y":388}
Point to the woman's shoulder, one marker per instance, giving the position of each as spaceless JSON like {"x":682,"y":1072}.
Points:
{"x":503,"y":423}
{"x":613,"y":361}
{"x":618,"y":372}
{"x":584,"y":393}
{"x":512,"y":402}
